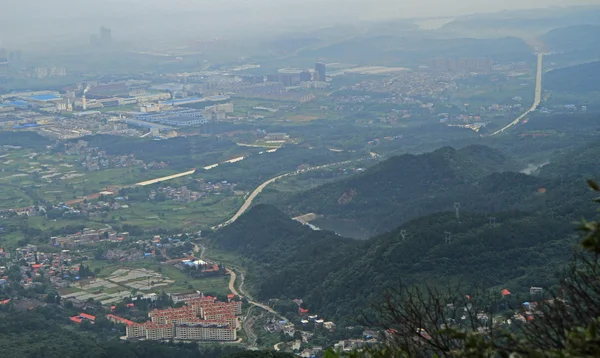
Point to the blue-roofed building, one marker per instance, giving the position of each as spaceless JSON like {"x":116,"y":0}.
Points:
{"x":45,"y":97}
{"x":18,"y":103}
{"x":26,"y":125}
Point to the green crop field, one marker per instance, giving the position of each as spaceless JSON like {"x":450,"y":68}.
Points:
{"x":174,"y":215}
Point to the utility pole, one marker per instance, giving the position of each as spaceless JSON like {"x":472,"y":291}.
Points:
{"x":448,"y":237}
{"x":403,"y":234}
{"x":457,"y":209}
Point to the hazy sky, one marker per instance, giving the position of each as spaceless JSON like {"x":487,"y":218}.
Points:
{"x":67,"y":8}
{"x":55,"y":20}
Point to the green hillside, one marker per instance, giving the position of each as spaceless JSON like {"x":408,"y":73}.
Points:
{"x":342,"y":278}
{"x":573,"y":38}
{"x":403,"y":187}
{"x":287,"y":256}
{"x":575,"y":79}
{"x":527,"y":240}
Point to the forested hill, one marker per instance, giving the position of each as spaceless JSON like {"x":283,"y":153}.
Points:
{"x":25,"y":139}
{"x":286,"y":257}
{"x":573,"y":38}
{"x":340,"y":278}
{"x":577,"y":164}
{"x":402,"y":187}
{"x":517,"y":251}
{"x":528,"y":239}
{"x":575,"y":79}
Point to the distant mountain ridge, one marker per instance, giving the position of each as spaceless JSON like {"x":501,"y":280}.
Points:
{"x":573,"y":38}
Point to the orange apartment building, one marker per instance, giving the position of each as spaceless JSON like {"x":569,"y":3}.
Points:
{"x":203,"y":318}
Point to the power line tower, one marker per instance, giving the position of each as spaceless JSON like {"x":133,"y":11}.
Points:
{"x":457,"y":210}
{"x":447,"y":237}
{"x":492,"y":221}
{"x":403,"y":234}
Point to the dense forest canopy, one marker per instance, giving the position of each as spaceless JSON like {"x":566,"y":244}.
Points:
{"x":514,"y":230}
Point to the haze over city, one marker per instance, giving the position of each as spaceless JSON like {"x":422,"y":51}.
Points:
{"x":46,"y":23}
{"x":299,"y":178}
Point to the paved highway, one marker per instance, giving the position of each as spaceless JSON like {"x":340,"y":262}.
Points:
{"x":158,"y":180}
{"x":260,"y":188}
{"x":537,"y":98}
{"x":250,"y":199}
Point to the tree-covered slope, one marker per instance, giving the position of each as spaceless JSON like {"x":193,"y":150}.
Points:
{"x":576,"y":164}
{"x":341,"y":278}
{"x":576,"y":79}
{"x":287,"y":257}
{"x":402,"y":187}
{"x":515,"y":230}
{"x":24,"y":139}
{"x":573,"y":38}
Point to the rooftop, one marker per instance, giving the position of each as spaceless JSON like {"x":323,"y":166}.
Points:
{"x":45,"y":97}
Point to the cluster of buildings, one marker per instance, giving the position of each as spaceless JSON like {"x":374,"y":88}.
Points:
{"x":58,"y":267}
{"x":481,"y":64}
{"x":185,"y":195}
{"x":177,"y":118}
{"x":93,"y":159}
{"x":277,"y":325}
{"x":87,"y":236}
{"x":49,"y":72}
{"x":407,"y":85}
{"x":202,"y":318}
{"x":89,"y":209}
{"x":9,"y":65}
{"x":7,"y":56}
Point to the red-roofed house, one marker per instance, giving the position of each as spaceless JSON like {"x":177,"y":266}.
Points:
{"x":87,"y":316}
{"x":36,"y":267}
{"x":117,"y":319}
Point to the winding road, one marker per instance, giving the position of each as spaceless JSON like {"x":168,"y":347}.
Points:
{"x":260,"y":188}
{"x":537,"y":98}
{"x":250,"y":199}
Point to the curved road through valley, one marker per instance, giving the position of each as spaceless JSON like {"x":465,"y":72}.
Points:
{"x":260,"y":188}
{"x":537,"y":99}
{"x":247,"y":203}
{"x":241,"y":293}
{"x":250,"y":199}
